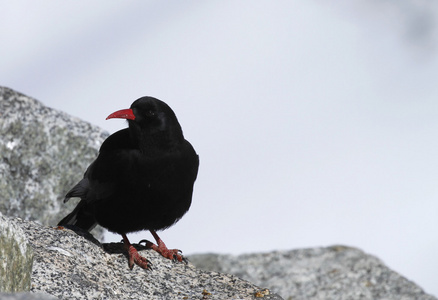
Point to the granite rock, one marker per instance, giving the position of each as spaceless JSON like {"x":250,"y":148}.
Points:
{"x":68,"y":266}
{"x":26,"y":296}
{"x":336,"y":272}
{"x":44,"y":152}
{"x":16,"y":257}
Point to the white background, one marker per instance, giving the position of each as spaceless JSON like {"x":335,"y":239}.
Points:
{"x":316,"y":124}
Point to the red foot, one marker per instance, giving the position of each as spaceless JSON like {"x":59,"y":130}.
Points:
{"x":173,"y":254}
{"x":134,"y":257}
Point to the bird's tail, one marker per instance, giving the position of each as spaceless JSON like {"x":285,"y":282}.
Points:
{"x":80,"y":217}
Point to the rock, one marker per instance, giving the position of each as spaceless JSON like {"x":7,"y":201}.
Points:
{"x":16,"y":258}
{"x":26,"y":296}
{"x":336,"y":272}
{"x":44,"y":152}
{"x":68,"y":266}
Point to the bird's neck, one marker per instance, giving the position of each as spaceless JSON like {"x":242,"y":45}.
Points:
{"x":156,"y":143}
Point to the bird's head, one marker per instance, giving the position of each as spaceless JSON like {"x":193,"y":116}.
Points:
{"x":150,"y":117}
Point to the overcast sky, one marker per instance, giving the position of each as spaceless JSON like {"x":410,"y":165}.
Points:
{"x":316,"y":124}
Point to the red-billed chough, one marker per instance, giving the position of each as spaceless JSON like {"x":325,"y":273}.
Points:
{"x":142,"y":178}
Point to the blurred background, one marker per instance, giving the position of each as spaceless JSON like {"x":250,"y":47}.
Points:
{"x":316,"y":123}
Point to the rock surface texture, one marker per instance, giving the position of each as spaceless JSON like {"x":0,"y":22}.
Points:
{"x":26,"y":296}
{"x":16,"y":257}
{"x":44,"y":152}
{"x":68,"y":266}
{"x":336,"y":272}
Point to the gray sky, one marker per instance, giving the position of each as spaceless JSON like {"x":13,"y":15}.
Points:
{"x":316,"y":124}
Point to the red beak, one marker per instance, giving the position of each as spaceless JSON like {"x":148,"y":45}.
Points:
{"x":122,"y":114}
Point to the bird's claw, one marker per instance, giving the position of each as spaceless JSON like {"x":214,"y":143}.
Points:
{"x":136,"y":258}
{"x":180,"y":258}
{"x":177,"y":256}
{"x":139,"y":261}
{"x":173,"y":254}
{"x":185,"y":260}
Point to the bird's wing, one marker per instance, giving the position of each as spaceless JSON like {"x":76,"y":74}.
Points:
{"x":79,"y":190}
{"x":117,"y":156}
{"x":105,"y":176}
{"x":100,"y":176}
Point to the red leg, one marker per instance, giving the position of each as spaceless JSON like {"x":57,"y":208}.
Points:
{"x":163,"y":250}
{"x":133,"y":255}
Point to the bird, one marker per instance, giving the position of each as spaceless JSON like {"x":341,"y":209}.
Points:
{"x":142,"y":179}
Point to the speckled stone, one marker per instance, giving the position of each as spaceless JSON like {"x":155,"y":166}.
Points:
{"x":327,"y":273}
{"x":16,"y":257}
{"x":26,"y":296}
{"x":44,"y":152}
{"x":68,"y":266}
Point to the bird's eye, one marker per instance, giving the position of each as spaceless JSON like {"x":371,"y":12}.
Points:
{"x":150,"y":113}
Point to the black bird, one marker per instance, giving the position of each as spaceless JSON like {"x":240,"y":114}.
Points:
{"x":142,"y":178}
